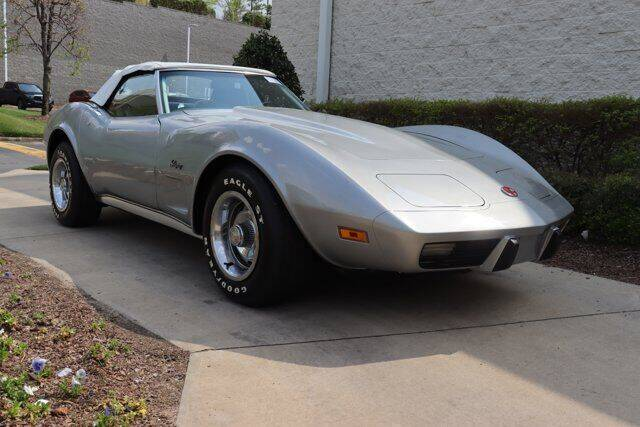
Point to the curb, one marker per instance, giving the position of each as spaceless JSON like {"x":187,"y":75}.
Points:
{"x":20,"y":139}
{"x":34,"y":152}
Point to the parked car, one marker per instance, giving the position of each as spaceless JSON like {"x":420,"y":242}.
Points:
{"x":81,"y":95}
{"x":22,"y":95}
{"x":232,"y":156}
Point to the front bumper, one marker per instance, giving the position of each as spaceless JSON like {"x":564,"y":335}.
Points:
{"x":398,"y":237}
{"x":35,"y":103}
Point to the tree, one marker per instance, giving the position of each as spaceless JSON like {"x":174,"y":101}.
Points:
{"x":211,"y":4}
{"x":265,"y":51}
{"x":256,"y":19}
{"x":199,"y":7}
{"x":232,"y":10}
{"x":259,"y":15}
{"x":47,"y":26}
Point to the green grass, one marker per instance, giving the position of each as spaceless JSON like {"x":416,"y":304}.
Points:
{"x":39,"y":168}
{"x":14,"y":122}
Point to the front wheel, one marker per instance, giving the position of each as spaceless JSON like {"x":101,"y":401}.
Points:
{"x":255,"y":250}
{"x":22,"y":105}
{"x":72,"y":201}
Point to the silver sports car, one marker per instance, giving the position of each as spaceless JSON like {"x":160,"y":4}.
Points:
{"x":231,"y":155}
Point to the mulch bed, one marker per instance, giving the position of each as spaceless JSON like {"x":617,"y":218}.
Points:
{"x":132,"y":376}
{"x":611,"y":261}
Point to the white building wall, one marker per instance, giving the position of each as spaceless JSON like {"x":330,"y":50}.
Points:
{"x":296,"y":25}
{"x":472,"y":49}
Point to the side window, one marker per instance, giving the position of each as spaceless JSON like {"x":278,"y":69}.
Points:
{"x":135,"y":97}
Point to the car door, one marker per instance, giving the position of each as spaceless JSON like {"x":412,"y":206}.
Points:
{"x":123,"y":160}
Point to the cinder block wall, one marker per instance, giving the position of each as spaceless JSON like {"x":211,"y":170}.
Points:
{"x":472,"y":49}
{"x":119,"y":34}
{"x":295,"y":22}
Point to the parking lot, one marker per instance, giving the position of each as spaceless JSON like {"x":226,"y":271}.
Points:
{"x":533,"y":344}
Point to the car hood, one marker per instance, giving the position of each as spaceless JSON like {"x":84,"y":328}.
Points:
{"x":353,"y":138}
{"x":412,"y":166}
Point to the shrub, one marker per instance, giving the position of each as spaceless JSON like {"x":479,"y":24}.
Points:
{"x":264,"y":51}
{"x":608,"y":207}
{"x":100,"y":354}
{"x":588,"y":150}
{"x":7,"y":321}
{"x":199,"y":7}
{"x":257,"y":19}
{"x":574,"y":136}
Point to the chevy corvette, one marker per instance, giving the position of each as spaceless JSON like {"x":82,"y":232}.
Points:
{"x":230,"y":155}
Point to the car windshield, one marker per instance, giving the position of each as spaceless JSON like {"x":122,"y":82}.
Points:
{"x":223,"y":90}
{"x":29,"y":88}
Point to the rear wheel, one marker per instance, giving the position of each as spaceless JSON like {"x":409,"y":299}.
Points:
{"x":255,"y":250}
{"x":72,"y":201}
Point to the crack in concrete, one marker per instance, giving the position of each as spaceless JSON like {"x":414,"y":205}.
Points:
{"x":39,"y":235}
{"x":424,"y":332}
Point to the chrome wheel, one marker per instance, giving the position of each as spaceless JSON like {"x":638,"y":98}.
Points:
{"x":234,"y":235}
{"x":61,"y":184}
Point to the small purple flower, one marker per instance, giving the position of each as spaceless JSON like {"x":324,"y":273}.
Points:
{"x":38,"y":364}
{"x":7,"y":275}
{"x":107,"y":411}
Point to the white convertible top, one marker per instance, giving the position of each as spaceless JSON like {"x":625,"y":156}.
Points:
{"x":102,"y":95}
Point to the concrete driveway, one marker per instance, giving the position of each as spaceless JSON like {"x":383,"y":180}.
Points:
{"x":533,"y":345}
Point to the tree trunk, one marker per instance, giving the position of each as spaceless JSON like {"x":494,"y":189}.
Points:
{"x":46,"y":86}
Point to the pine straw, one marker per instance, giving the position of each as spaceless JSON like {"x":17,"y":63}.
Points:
{"x":153,"y":369}
{"x":615,"y":262}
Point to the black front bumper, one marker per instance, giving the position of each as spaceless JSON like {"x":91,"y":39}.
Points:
{"x":36,"y":103}
{"x":552,"y":245}
{"x":471,"y":254}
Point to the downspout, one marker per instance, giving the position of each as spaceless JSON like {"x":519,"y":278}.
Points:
{"x":323,"y":70}
{"x":5,"y":51}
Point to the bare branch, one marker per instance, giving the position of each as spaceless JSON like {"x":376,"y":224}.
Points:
{"x":47,"y":26}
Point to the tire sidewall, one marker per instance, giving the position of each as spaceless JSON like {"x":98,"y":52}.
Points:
{"x":73,"y":214}
{"x":256,"y":286}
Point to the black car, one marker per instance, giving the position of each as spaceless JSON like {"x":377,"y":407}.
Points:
{"x":22,"y":95}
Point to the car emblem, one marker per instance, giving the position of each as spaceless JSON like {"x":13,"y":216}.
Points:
{"x":509,"y":191}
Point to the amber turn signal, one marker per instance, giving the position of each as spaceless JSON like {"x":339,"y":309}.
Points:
{"x":353,"y":235}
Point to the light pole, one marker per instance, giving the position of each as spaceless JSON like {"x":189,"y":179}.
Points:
{"x":188,"y":41}
{"x":4,"y":40}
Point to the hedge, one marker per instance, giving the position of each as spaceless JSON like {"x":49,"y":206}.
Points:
{"x":199,"y":7}
{"x":608,"y":207}
{"x":257,"y":19}
{"x":589,"y":150}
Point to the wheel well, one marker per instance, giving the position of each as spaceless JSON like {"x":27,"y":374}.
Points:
{"x":204,"y":184}
{"x":57,"y":136}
